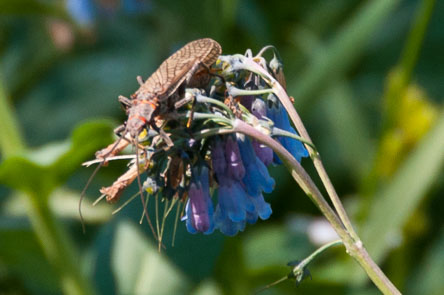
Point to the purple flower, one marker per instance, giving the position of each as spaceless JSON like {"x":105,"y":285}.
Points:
{"x":277,"y":113}
{"x":240,"y":197}
{"x":233,"y":206}
{"x":257,"y":178}
{"x":246,"y":101}
{"x":242,"y":178}
{"x":263,"y":152}
{"x":218,"y":157}
{"x":225,"y":225}
{"x":235,"y":167}
{"x":233,"y":199}
{"x":199,"y":209}
{"x":262,"y":209}
{"x":258,"y":108}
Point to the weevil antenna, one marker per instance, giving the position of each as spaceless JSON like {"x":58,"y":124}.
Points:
{"x":139,"y":182}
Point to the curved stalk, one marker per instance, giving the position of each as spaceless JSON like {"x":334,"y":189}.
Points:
{"x":280,"y":92}
{"x":355,"y":247}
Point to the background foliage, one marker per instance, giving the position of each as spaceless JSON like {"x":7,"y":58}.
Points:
{"x":367,"y":81}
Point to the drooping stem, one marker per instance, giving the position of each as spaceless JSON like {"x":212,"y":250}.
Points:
{"x":280,"y":92}
{"x":354,"y":247}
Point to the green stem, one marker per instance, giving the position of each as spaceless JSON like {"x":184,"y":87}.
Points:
{"x":10,"y":138}
{"x":271,"y":284}
{"x":300,"y":267}
{"x":280,"y":132}
{"x":298,"y":173}
{"x":355,"y":248}
{"x":211,"y":132}
{"x":412,"y":48}
{"x":233,"y":91}
{"x":401,"y":75}
{"x":201,"y":116}
{"x":397,"y":83}
{"x":55,"y":242}
{"x":57,"y":247}
{"x":294,"y":116}
{"x":203,"y":99}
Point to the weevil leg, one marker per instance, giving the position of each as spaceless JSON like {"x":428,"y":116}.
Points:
{"x":142,"y":197}
{"x":167,"y":139}
{"x":191,"y":114}
{"x":125,"y":102}
{"x":115,"y":147}
{"x":140,"y":80}
{"x":164,"y":136}
{"x":192,"y":71}
{"x":119,"y":129}
{"x":180,"y":103}
{"x":102,"y":154}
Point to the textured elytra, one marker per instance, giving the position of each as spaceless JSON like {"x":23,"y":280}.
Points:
{"x":178,"y":67}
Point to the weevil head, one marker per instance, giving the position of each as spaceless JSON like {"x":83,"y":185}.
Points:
{"x":140,"y":115}
{"x":135,"y":126}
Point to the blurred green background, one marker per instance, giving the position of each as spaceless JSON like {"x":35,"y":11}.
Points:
{"x":367,"y":78}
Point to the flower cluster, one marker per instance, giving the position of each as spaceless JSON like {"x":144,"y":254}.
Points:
{"x":221,"y":176}
{"x":241,"y":177}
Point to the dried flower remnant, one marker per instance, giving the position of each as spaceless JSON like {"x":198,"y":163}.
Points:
{"x":219,"y":175}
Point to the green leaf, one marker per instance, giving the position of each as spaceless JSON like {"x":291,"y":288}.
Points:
{"x":208,"y":287}
{"x":395,"y":203}
{"x":140,"y":269}
{"x":10,"y":137}
{"x":26,"y":7}
{"x":22,"y":255}
{"x":428,"y":275}
{"x":39,"y":172}
{"x":349,"y":128}
{"x":64,"y":203}
{"x":260,"y":242}
{"x":342,"y":52}
{"x":85,"y":140}
{"x":21,"y":174}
